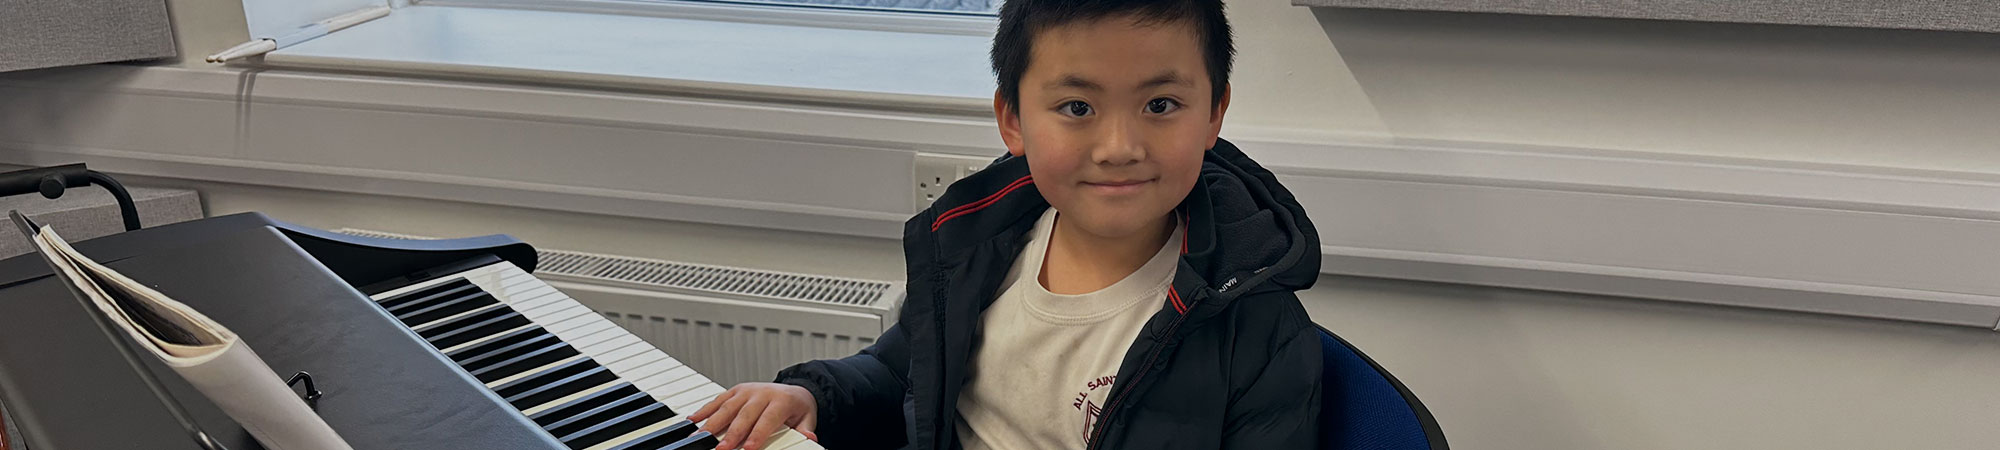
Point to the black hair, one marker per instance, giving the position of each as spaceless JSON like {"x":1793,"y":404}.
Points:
{"x":1020,"y":20}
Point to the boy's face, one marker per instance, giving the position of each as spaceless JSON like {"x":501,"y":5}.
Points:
{"x":1114,"y":118}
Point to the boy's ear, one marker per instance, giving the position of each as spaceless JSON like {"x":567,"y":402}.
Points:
{"x":1010,"y":125}
{"x":1215,"y":117}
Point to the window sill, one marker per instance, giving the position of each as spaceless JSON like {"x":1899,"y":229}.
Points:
{"x":766,"y":61}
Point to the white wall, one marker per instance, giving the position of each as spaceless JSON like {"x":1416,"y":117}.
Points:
{"x":1289,"y":76}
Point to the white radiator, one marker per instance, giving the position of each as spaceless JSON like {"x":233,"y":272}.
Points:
{"x":729,"y":323}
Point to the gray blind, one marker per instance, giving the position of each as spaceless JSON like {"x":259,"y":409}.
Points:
{"x":1947,"y":15}
{"x":49,"y":33}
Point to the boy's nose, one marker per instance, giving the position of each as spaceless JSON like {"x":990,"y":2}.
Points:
{"x":1120,"y":144}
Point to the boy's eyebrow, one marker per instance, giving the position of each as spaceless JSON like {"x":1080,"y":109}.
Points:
{"x":1075,"y":82}
{"x":1078,"y":82}
{"x":1165,"y":78}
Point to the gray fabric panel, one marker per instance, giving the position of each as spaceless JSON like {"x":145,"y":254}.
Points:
{"x":89,"y":212}
{"x":49,"y":33}
{"x":1947,"y":15}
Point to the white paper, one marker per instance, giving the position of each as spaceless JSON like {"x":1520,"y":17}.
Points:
{"x":203,"y":352}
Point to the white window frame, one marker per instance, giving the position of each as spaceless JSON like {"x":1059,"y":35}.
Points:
{"x":908,"y":21}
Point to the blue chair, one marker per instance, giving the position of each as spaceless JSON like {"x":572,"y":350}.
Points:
{"x":1363,"y":407}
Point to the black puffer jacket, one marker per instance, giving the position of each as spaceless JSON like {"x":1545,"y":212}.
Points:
{"x":1229,"y":361}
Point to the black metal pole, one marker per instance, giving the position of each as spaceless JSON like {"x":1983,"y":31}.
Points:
{"x":52,"y":181}
{"x":126,"y":208}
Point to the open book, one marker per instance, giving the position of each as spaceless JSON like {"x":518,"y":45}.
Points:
{"x":203,"y":352}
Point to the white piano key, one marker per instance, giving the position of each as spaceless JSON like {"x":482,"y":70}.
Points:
{"x":694,"y":399}
{"x":556,"y":311}
{"x":566,"y":320}
{"x":785,"y":440}
{"x":682,"y":385}
{"x":654,"y":383}
{"x":602,"y":349}
{"x":572,"y":320}
{"x":545,"y":298}
{"x":544,"y":308}
{"x":592,"y":340}
{"x":511,"y":283}
{"x":597,"y":335}
{"x":634,"y":349}
{"x":536,"y":298}
{"x":640,"y":366}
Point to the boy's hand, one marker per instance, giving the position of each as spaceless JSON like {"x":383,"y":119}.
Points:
{"x":747,"y":415}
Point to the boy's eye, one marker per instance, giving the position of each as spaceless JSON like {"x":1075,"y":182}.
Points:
{"x":1162,"y":106}
{"x":1075,"y":108}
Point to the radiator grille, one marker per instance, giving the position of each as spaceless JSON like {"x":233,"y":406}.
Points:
{"x":718,"y":279}
{"x":698,"y":277}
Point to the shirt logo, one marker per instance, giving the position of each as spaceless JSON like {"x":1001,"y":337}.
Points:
{"x":1083,"y":403}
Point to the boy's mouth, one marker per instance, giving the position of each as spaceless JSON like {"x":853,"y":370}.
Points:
{"x":1117,"y":187}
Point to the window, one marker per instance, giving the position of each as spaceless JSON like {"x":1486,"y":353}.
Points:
{"x":917,"y":54}
{"x":981,"y":7}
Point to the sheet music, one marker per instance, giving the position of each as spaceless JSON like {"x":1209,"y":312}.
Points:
{"x":203,"y":352}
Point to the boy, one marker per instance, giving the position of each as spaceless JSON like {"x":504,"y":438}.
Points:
{"x":1123,"y":280}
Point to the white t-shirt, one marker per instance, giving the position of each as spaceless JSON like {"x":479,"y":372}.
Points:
{"x":1045,"y":362}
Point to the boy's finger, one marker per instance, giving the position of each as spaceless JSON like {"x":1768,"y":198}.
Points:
{"x":809,"y":435}
{"x":728,"y":412}
{"x":740,"y":427}
{"x":808,"y":424}
{"x":770,"y":423}
{"x":712,"y":405}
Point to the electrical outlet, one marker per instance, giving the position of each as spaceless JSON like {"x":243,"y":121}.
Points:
{"x":935,"y":171}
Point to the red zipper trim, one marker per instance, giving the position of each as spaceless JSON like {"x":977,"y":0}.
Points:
{"x":1097,"y":435}
{"x":970,"y":208}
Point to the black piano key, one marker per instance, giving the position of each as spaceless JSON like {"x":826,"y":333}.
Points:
{"x":497,"y":342}
{"x":619,"y":426}
{"x":472,"y":327}
{"x":602,"y":413}
{"x":548,"y":417}
{"x":449,"y":288}
{"x":445,"y":307}
{"x":700,"y":440}
{"x":663,"y":437}
{"x":562,"y":387}
{"x":527,"y":357}
{"x":544,"y":377}
{"x":429,"y":330}
{"x":433,"y":297}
